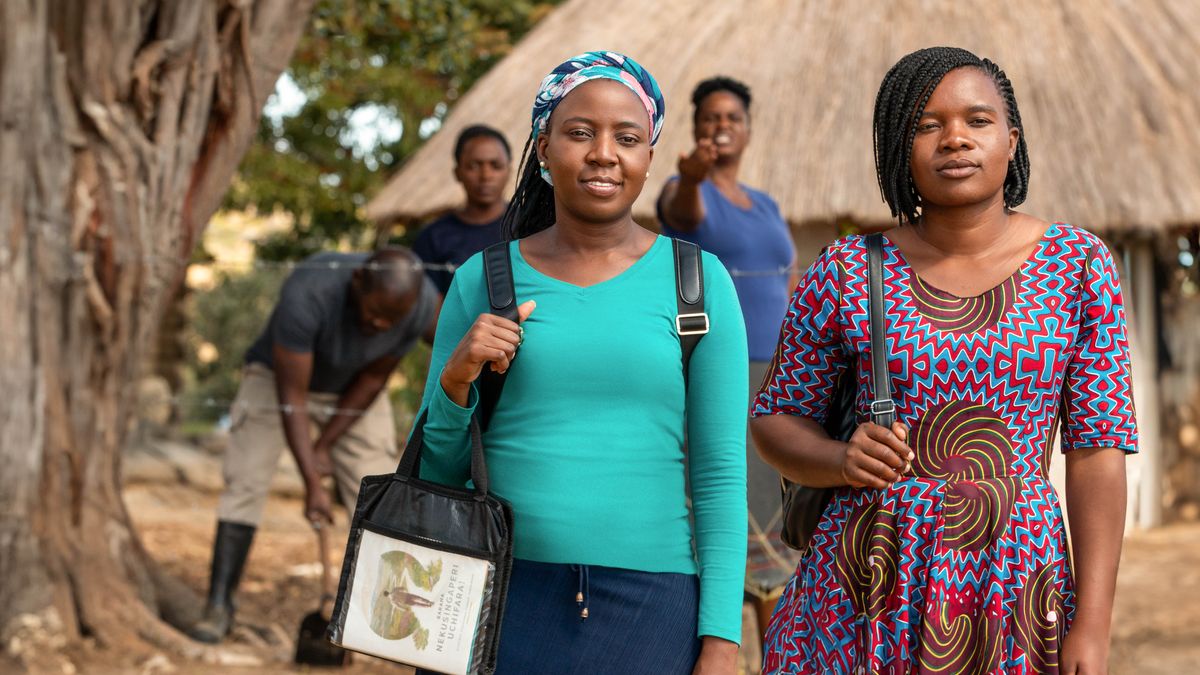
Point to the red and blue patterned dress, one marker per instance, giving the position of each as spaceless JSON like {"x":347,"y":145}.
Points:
{"x":961,"y":566}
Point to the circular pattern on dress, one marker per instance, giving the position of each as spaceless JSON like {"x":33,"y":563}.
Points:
{"x":953,"y":642}
{"x":976,"y":513}
{"x":884,"y":562}
{"x":868,"y":557}
{"x":960,"y":440}
{"x":948,"y":312}
{"x":1039,"y":607}
{"x":852,"y":562}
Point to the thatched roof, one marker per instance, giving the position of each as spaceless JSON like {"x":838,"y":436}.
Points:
{"x":1109,"y":90}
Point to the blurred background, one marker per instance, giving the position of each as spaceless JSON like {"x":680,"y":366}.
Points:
{"x":330,"y":125}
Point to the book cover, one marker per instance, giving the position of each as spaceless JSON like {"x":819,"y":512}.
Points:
{"x":414,"y":604}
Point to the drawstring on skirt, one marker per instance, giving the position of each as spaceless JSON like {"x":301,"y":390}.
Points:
{"x":581,"y":595}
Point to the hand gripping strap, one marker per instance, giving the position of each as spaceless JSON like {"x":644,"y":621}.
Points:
{"x":502,"y":297}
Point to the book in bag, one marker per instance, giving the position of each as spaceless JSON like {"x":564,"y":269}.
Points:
{"x":416,"y":604}
{"x":426,"y":569}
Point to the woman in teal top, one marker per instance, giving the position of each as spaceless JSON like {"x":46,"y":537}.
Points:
{"x":587,"y":441}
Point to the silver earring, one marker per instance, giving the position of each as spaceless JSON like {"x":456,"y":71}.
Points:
{"x":542,"y":164}
{"x":647,"y":174}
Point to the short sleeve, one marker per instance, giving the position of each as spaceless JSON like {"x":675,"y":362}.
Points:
{"x":296,"y":320}
{"x":810,"y":356}
{"x":1098,"y":396}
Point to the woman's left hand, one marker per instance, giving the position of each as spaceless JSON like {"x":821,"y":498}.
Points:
{"x":717,"y":657}
{"x":1084,"y":652}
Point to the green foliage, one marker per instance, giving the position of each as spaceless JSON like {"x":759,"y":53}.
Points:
{"x":406,"y":399}
{"x":367,"y":69}
{"x":229,"y":317}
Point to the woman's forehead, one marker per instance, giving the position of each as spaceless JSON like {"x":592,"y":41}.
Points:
{"x":483,"y":146}
{"x":721,"y":100}
{"x":965,"y":86}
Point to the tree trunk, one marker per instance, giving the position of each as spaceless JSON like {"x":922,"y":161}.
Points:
{"x":121,"y":125}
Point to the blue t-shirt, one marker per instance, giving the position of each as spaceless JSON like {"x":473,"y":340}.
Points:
{"x":450,"y":240}
{"x":756,"y":247}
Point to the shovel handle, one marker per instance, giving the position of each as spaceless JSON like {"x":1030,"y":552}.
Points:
{"x":327,"y":596}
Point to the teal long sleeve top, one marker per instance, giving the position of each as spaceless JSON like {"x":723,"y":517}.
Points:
{"x":587,"y":440}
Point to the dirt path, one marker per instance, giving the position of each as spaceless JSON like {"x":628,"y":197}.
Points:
{"x":1156,"y":628}
{"x":1156,"y":623}
{"x":279,"y":586}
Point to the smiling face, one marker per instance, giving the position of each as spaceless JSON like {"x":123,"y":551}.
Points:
{"x":963,"y":143}
{"x":597,"y":150}
{"x":723,"y":118}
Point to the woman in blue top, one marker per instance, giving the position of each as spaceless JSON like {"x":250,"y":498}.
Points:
{"x":742,"y":226}
{"x":587,"y":440}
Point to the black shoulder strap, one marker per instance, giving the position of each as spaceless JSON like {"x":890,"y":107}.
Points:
{"x":502,"y":297}
{"x":883,"y":408}
{"x":497,"y":269}
{"x":691,"y":321}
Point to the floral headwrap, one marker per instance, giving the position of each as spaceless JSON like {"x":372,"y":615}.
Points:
{"x":592,"y":66}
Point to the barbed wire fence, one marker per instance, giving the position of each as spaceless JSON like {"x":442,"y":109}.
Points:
{"x":188,"y":402}
{"x":290,"y":265}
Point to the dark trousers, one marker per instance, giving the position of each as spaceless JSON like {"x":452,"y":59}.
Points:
{"x":638,"y":622}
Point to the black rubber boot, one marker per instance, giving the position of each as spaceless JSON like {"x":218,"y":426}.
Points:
{"x":230,"y":549}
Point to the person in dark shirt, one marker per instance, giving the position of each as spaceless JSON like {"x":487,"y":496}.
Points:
{"x":314,"y":383}
{"x":482,"y":163}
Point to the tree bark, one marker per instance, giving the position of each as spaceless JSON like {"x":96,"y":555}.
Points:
{"x":121,"y":125}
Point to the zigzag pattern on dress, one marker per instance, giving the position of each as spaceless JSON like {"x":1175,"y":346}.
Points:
{"x":961,"y":566}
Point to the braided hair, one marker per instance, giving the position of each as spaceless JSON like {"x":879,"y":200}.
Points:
{"x":901,"y":101}
{"x":531,"y":209}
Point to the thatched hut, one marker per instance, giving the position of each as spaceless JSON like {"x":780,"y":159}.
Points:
{"x":1108,"y":88}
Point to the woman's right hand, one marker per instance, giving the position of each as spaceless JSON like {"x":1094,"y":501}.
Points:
{"x":694,"y":166}
{"x":877,"y":456}
{"x":491,"y":340}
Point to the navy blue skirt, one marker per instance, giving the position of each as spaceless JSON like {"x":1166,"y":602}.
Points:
{"x":636,"y":622}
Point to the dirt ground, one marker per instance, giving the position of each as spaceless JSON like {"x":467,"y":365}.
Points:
{"x":280,"y":584}
{"x":1156,"y":627}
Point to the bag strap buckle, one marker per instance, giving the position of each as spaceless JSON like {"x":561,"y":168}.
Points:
{"x":884,"y":407}
{"x":692,"y":324}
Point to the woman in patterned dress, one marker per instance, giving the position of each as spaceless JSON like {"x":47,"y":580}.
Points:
{"x":943,"y":549}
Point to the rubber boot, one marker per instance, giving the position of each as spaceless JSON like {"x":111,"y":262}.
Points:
{"x":230,"y":549}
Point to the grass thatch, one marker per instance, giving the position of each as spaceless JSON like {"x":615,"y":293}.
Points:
{"x":1109,"y":89}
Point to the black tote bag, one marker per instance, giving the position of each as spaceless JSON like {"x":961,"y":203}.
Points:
{"x":803,"y":506}
{"x":426,"y":569}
